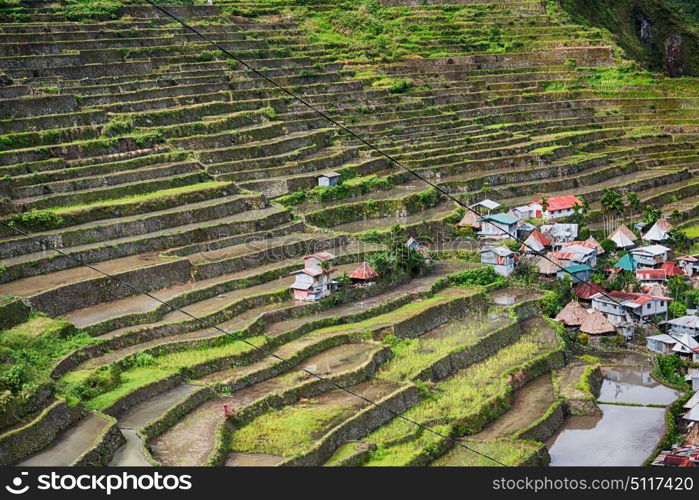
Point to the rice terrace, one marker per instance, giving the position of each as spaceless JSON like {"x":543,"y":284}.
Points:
{"x":349,"y":233}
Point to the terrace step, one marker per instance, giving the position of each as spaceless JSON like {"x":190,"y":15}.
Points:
{"x":133,"y":225}
{"x":70,"y":444}
{"x":37,"y":263}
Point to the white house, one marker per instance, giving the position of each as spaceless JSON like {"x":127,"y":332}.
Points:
{"x":651,"y":255}
{"x":623,"y":309}
{"x":572,"y":254}
{"x":487,"y":205}
{"x":689,"y":264}
{"x":623,"y":237}
{"x":499,"y":226}
{"x":559,"y":234}
{"x":502,"y":259}
{"x":662,"y":344}
{"x":686,"y":345}
{"x":556,"y":206}
{"x":313,"y":282}
{"x":525,"y":211}
{"x":329,"y":179}
{"x":686,"y":324}
{"x":659,"y":231}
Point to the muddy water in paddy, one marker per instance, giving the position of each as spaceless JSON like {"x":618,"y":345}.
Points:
{"x":69,"y":445}
{"x":511,"y":296}
{"x":622,"y":435}
{"x":252,"y":460}
{"x":468,"y":329}
{"x":144,"y":413}
{"x":634,"y":384}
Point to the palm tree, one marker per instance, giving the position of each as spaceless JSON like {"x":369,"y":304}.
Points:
{"x":612,"y":203}
{"x":634,"y":202}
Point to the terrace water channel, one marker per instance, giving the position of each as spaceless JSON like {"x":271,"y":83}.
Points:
{"x":625,"y":433}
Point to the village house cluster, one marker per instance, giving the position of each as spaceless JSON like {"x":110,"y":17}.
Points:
{"x":556,"y":250}
{"x":315,"y":280}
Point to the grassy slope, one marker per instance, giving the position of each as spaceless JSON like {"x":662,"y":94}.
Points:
{"x":623,"y":17}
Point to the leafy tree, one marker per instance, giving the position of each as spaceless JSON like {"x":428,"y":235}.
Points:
{"x":676,"y":216}
{"x":677,"y":309}
{"x":624,"y":280}
{"x":633,"y":202}
{"x":678,"y":286}
{"x":562,"y":293}
{"x":526,"y":273}
{"x":398,"y":258}
{"x":692,"y":299}
{"x":608,"y":245}
{"x":513,"y":245}
{"x":481,"y":276}
{"x":611,"y":201}
{"x":679,"y":240}
{"x":651,"y":214}
{"x":612,"y":205}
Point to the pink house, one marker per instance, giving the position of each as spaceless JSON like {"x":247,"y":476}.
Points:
{"x":313,"y":282}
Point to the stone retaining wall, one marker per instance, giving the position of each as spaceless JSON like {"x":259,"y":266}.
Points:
{"x":361,"y":424}
{"x":104,"y":446}
{"x":39,"y":433}
{"x":12,"y":312}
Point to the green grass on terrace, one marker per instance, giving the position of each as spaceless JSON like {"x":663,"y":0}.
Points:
{"x":137,"y":198}
{"x":471,"y":387}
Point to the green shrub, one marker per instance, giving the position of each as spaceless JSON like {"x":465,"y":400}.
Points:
{"x":118,"y":126}
{"x":36,"y":219}
{"x":100,"y":381}
{"x":477,"y":277}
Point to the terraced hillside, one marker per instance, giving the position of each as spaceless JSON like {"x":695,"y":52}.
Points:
{"x":139,"y":150}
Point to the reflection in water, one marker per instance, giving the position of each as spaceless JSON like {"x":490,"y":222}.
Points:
{"x":623,"y":435}
{"x":634,"y":384}
{"x":511,"y":296}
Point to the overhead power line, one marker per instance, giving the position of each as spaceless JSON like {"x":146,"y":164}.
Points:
{"x":368,"y":144}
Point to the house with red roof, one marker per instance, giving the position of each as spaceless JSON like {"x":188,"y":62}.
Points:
{"x":587,"y":290}
{"x":651,"y":276}
{"x":314,"y":281}
{"x":626,"y":309}
{"x":556,"y":206}
{"x":689,"y":264}
{"x":364,"y":275}
{"x":536,"y":242}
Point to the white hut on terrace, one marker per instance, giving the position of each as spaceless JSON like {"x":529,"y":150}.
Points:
{"x":623,"y":237}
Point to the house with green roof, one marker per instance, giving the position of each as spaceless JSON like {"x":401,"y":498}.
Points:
{"x":499,"y":226}
{"x":626,"y":263}
{"x":581,"y":273}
